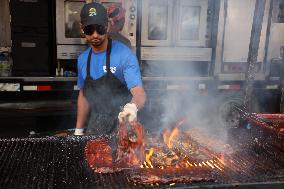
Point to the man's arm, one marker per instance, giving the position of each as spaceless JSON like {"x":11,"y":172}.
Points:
{"x":83,"y":109}
{"x":137,"y":102}
{"x":138,"y":96}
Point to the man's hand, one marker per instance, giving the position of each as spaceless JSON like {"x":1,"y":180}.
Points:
{"x":79,"y":132}
{"x":129,"y":112}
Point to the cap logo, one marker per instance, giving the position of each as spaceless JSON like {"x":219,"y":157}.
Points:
{"x":92,"y":12}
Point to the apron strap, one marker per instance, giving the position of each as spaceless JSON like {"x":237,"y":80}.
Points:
{"x":109,"y":44}
{"x":89,"y":63}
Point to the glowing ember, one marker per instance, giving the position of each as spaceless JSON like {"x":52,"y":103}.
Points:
{"x":208,"y":163}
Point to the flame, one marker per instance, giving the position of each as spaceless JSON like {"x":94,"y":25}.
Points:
{"x":176,"y":155}
{"x":148,"y":155}
{"x":169,"y":136}
{"x":166,"y":134}
{"x":173,"y":134}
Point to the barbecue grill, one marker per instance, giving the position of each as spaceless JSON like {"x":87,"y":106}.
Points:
{"x":59,"y":162}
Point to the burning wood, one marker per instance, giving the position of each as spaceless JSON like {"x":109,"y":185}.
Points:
{"x":178,"y":149}
{"x":177,"y":158}
{"x":178,"y":154}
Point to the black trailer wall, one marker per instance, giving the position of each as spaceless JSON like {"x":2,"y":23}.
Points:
{"x":31,"y":27}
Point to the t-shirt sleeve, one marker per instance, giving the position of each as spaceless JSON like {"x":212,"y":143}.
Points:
{"x":131,"y":72}
{"x":80,"y":79}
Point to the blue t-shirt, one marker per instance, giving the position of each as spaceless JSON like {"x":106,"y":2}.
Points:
{"x":123,"y":64}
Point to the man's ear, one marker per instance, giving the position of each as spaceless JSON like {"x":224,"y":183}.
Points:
{"x":82,"y":31}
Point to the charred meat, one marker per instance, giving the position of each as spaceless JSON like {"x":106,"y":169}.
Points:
{"x":130,"y":150}
{"x":171,"y":175}
{"x":98,"y":154}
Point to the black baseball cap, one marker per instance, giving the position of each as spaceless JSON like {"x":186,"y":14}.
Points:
{"x":94,"y":13}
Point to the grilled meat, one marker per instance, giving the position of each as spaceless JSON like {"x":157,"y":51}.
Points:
{"x":130,"y":150}
{"x":170,"y":175}
{"x":99,"y":155}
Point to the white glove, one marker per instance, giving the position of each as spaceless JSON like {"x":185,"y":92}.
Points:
{"x":79,"y":132}
{"x":129,"y":111}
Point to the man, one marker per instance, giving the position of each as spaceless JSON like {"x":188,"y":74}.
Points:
{"x":108,"y":77}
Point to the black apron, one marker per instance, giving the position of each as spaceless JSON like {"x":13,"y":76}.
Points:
{"x":106,"y":96}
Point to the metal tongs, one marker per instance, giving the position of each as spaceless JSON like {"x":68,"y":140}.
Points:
{"x":252,"y":116}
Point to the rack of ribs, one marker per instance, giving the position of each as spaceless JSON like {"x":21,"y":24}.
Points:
{"x":129,"y":150}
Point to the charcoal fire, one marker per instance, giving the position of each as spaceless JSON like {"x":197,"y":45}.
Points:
{"x":179,"y":150}
{"x":177,"y":158}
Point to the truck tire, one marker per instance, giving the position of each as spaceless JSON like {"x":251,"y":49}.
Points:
{"x":227,"y":115}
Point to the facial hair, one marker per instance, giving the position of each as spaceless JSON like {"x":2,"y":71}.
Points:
{"x":97,"y":42}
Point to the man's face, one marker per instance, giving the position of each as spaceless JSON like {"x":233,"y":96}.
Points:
{"x":95,"y":34}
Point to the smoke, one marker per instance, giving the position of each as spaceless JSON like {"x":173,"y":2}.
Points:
{"x":198,"y":112}
{"x":212,"y":113}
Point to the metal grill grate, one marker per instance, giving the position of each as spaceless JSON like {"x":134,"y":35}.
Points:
{"x":51,"y":163}
{"x":58,"y":162}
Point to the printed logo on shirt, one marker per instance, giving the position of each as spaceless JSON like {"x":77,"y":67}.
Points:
{"x":112,"y":69}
